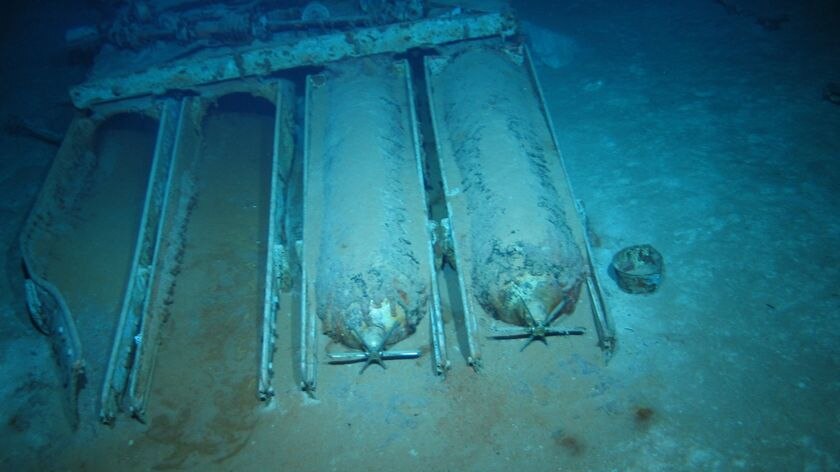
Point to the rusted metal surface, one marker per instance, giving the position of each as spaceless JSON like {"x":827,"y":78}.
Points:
{"x":277,"y":271}
{"x":352,"y":208}
{"x":517,"y":238}
{"x":310,"y":50}
{"x":367,"y":246}
{"x":132,"y":356}
{"x":46,"y":304}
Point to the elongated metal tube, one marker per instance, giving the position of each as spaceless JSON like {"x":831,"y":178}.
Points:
{"x":502,"y":173}
{"x":371,"y":277}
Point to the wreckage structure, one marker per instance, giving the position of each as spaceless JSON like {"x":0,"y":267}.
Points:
{"x":388,"y":143}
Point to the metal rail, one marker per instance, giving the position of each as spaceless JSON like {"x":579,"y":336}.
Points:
{"x":276,"y":256}
{"x":135,"y":340}
{"x":601,"y":318}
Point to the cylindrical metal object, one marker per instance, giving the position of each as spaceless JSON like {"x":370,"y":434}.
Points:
{"x":524,"y":260}
{"x":371,"y":287}
{"x":638,"y":269}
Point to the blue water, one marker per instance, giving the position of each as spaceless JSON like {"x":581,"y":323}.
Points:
{"x":699,"y":127}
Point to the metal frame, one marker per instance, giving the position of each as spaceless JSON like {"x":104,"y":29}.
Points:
{"x":45,"y":303}
{"x":135,"y":343}
{"x":470,"y":321}
{"x":130,"y":369}
{"x":52,"y":316}
{"x":392,"y":38}
{"x":276,"y":260}
{"x":441,"y":362}
{"x":600,"y":315}
{"x":308,"y":323}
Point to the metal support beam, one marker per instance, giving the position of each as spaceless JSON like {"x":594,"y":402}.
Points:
{"x":135,"y":343}
{"x":470,"y":320}
{"x":313,"y":50}
{"x":46,"y":305}
{"x":600,"y":315}
{"x":308,"y":323}
{"x":441,"y":362}
{"x":52,"y":317}
{"x":276,"y":258}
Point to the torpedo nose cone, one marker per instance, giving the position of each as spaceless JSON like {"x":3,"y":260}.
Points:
{"x":373,"y":339}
